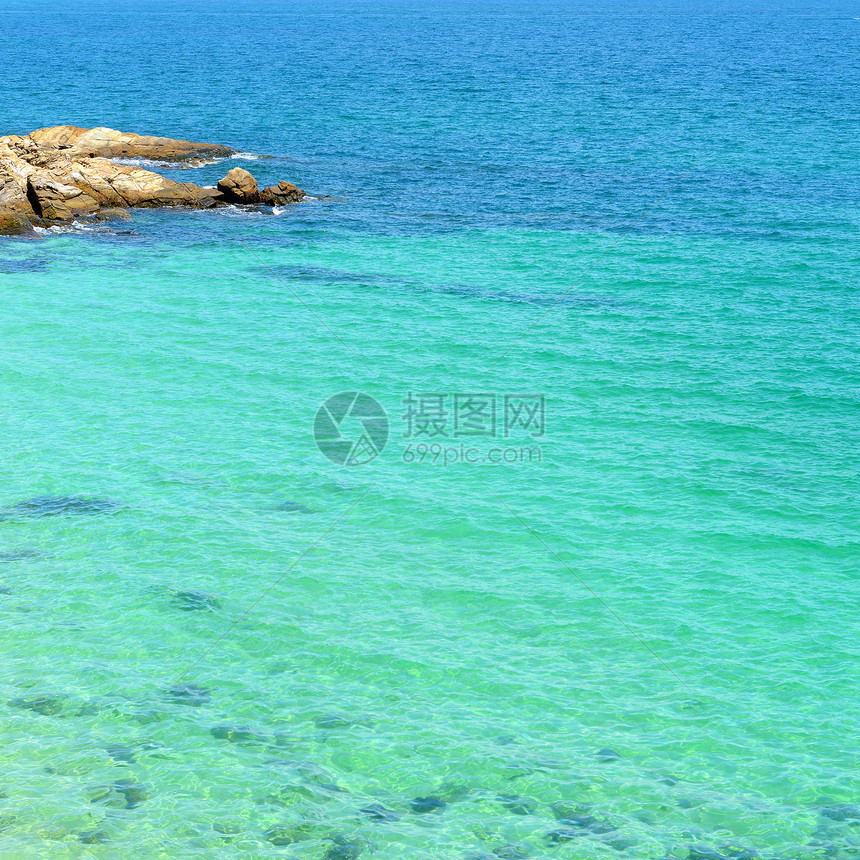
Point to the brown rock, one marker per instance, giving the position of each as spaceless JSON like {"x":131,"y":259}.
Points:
{"x":13,"y":224}
{"x":108,"y":143}
{"x":113,"y":214}
{"x":282,"y":193}
{"x":57,"y":174}
{"x":56,"y":201}
{"x":238,"y":186}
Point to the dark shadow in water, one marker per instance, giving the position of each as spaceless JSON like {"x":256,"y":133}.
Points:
{"x":29,"y":264}
{"x":319,"y":274}
{"x":52,"y":506}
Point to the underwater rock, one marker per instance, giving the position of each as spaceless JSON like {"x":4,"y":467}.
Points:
{"x":332,"y":721}
{"x":343,"y":849}
{"x":238,"y":734}
{"x":580,"y":825}
{"x":18,"y":555}
{"x":123,"y":794}
{"x":52,"y":506}
{"x":621,"y":843}
{"x":7,"y":821}
{"x":704,"y":852}
{"x":130,"y":752}
{"x":5,"y":590}
{"x":291,"y":507}
{"x":195,"y":601}
{"x":564,"y":834}
{"x":290,"y":835}
{"x":48,"y":706}
{"x":135,"y":793}
{"x":228,"y":828}
{"x":94,"y":837}
{"x":427,"y":804}
{"x":516,"y":804}
{"x":607,"y":755}
{"x":841,"y":812}
{"x":377,"y":812}
{"x":188,"y":694}
{"x":563,"y":809}
{"x":510,"y":852}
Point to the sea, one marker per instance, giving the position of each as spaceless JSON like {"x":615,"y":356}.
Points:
{"x":500,"y":499}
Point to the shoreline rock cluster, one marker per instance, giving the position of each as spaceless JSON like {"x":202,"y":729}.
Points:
{"x":54,"y":175}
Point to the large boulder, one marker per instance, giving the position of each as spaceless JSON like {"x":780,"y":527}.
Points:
{"x":108,"y":143}
{"x":282,"y":193}
{"x":238,"y":186}
{"x":56,"y":201}
{"x":12,"y":223}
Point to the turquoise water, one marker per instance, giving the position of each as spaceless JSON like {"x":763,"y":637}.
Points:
{"x":638,"y":638}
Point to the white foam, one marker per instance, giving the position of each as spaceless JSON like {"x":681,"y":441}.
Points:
{"x":246,"y":156}
{"x":147,"y":163}
{"x":76,"y":227}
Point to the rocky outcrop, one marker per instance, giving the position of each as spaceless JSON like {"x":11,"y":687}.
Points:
{"x":107,"y":143}
{"x":58,"y":202}
{"x":12,"y":224}
{"x":238,"y":186}
{"x":55,"y":175}
{"x":282,"y":193}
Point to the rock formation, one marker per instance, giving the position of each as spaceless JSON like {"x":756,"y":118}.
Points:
{"x":238,"y":186}
{"x":54,"y":175}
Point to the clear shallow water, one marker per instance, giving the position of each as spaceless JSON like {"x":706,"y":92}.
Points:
{"x":650,"y":218}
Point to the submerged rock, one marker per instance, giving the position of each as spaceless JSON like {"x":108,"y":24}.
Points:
{"x":516,"y":804}
{"x":123,"y":794}
{"x":238,"y":734}
{"x":841,"y":812}
{"x":331,"y":721}
{"x":94,"y":837}
{"x":290,"y":835}
{"x":195,"y":601}
{"x":52,"y":506}
{"x":188,"y":694}
{"x":377,"y":812}
{"x":135,"y":793}
{"x":427,"y":804}
{"x":19,"y":555}
{"x":510,"y":852}
{"x":344,"y":849}
{"x":48,"y":706}
{"x":563,"y":810}
{"x":294,"y":508}
{"x":607,"y":755}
